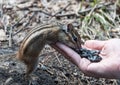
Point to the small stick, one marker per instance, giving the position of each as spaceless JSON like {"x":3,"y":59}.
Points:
{"x":20,"y":20}
{"x":58,"y":59}
{"x":62,"y":9}
{"x":10,"y":37}
{"x":21,"y":29}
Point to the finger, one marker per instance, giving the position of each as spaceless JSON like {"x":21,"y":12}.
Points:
{"x":68,"y":53}
{"x":95,"y":44}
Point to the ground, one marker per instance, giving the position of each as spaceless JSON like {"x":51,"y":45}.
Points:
{"x":95,"y":19}
{"x":53,"y":69}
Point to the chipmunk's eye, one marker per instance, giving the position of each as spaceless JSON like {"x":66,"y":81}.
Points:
{"x":74,"y":38}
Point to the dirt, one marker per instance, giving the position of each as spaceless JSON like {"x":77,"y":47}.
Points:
{"x":53,"y":69}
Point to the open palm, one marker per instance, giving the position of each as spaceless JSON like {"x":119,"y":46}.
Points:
{"x":108,"y":67}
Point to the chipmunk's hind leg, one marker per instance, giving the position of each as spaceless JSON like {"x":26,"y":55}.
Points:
{"x":31,"y":61}
{"x":31,"y":53}
{"x":31,"y":67}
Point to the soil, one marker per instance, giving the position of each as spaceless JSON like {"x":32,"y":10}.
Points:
{"x":53,"y":69}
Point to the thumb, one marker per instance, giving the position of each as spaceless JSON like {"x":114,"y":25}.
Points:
{"x":94,"y":44}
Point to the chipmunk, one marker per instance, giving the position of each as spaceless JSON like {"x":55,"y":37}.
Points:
{"x":36,"y":39}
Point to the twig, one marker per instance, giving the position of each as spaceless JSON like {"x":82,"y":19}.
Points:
{"x":62,"y":9}
{"x":48,"y":53}
{"x":39,"y":10}
{"x":36,"y":10}
{"x":98,"y":7}
{"x":56,"y":14}
{"x":46,"y":69}
{"x":26,"y":5}
{"x":71,"y":14}
{"x":63,"y":15}
{"x":58,"y":59}
{"x":1,"y":10}
{"x":20,"y":20}
{"x":84,"y":11}
{"x":10,"y":37}
{"x":92,"y":12}
{"x":21,"y":29}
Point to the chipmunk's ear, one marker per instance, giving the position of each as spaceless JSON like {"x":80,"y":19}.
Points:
{"x":70,"y":26}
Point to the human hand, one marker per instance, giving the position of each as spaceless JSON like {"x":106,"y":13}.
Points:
{"x":108,"y":67}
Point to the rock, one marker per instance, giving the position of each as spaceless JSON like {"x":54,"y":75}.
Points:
{"x":3,"y":36}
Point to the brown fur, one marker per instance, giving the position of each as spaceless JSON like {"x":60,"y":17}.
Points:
{"x":36,"y":39}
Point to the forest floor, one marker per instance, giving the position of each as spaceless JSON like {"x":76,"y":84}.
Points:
{"x":50,"y":71}
{"x":95,"y":20}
